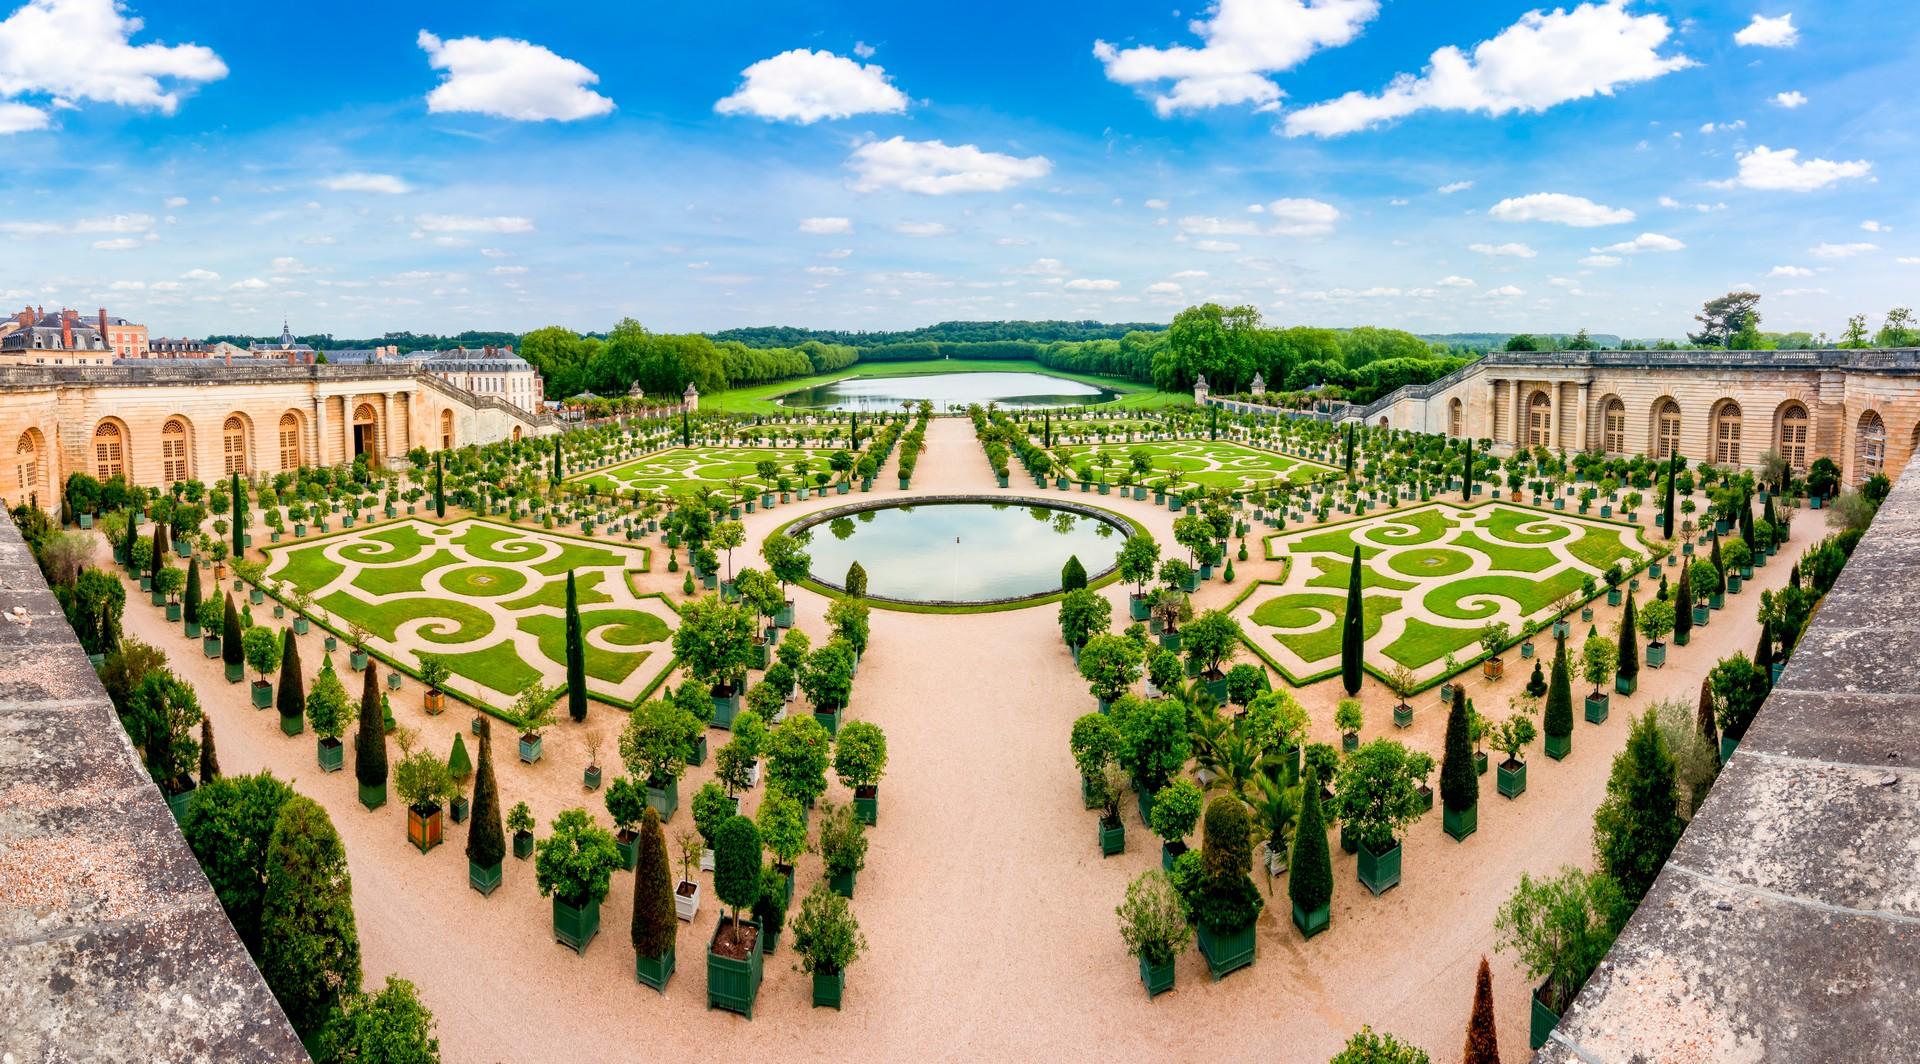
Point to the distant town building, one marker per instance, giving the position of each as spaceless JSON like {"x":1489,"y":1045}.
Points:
{"x":34,"y":337}
{"x":124,"y":338}
{"x":286,"y":349}
{"x":167,"y":347}
{"x":494,"y":371}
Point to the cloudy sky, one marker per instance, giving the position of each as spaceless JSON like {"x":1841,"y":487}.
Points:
{"x":361,"y":167}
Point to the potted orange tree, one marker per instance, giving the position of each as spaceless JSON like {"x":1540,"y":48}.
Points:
{"x":734,"y":953}
{"x":1154,"y":927}
{"x":574,"y":866}
{"x":860,"y":760}
{"x":828,"y":939}
{"x":1375,"y":796}
{"x":422,"y":781}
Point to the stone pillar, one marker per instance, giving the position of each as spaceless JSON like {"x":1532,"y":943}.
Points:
{"x":1493,"y":411}
{"x":347,"y":405}
{"x":386,"y":427}
{"x":1580,"y":416}
{"x":318,"y":434}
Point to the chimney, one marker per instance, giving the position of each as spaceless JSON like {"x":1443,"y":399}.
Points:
{"x":26,"y":317}
{"x":103,"y":323}
{"x":66,"y":329}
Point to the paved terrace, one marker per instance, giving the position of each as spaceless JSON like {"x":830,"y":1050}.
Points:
{"x":1786,"y":924}
{"x":112,"y":944}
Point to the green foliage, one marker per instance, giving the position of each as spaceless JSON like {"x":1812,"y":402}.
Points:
{"x":736,"y":863}
{"x":486,"y":843}
{"x":715,"y":640}
{"x":576,"y":651}
{"x":1348,"y":716}
{"x":1153,"y":923}
{"x":1084,"y":614}
{"x":1094,"y":742}
{"x":262,"y":649}
{"x":1176,"y":809}
{"x":520,"y":818}
{"x":657,"y":741}
{"x":860,"y":754}
{"x":826,"y":936}
{"x":1310,"y":870}
{"x":856,"y":582}
{"x":370,"y":741}
{"x":229,"y":825}
{"x":827,"y":677}
{"x":163,"y":717}
{"x":843,"y":839}
{"x":626,"y":801}
{"x":1368,"y":1046}
{"x":797,"y":754}
{"x":1739,"y":687}
{"x":1154,"y":740}
{"x":1111,"y":664}
{"x":391,"y":1027}
{"x":654,"y":923}
{"x":1073,"y":575}
{"x":1353,"y":633}
{"x":1558,"y":720}
{"x":1211,"y":639}
{"x":783,"y":830}
{"x":422,"y":780}
{"x":1559,"y":928}
{"x":1598,"y":657}
{"x":1639,"y":821}
{"x":1222,"y":898}
{"x":1376,"y":794}
{"x":1628,"y":658}
{"x":1459,"y":784}
{"x":575,"y":864}
{"x":310,"y":950}
{"x":712,"y":805}
{"x":851,"y":622}
{"x":1655,"y":620}
{"x":1137,"y":560}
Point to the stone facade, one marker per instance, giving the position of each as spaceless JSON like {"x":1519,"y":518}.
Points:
{"x":167,"y":420}
{"x":1860,"y":408}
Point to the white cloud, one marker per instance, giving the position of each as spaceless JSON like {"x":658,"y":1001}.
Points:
{"x":1192,"y":275}
{"x":507,"y":271}
{"x":1841,"y":251}
{"x":385,"y":184}
{"x":863,"y":49}
{"x":826,"y":226}
{"x":1043,"y":268}
{"x":933,"y":168}
{"x":1396,"y":202}
{"x":1505,"y":291}
{"x":494,"y":253}
{"x":1908,"y":260}
{"x":1244,"y":41}
{"x":1156,"y":205}
{"x":121,"y":243}
{"x":1577,"y":211}
{"x":1164,"y":288}
{"x":1602,"y":260}
{"x":1218,"y":246}
{"x":1789,"y":271}
{"x":1454,"y":186}
{"x":1455,"y":281}
{"x":1803,"y":292}
{"x":461,"y":223}
{"x":200,"y":275}
{"x":176,"y":202}
{"x":825,"y":271}
{"x":1518,"y":251}
{"x":1301,"y":217}
{"x":1724,"y":127}
{"x":1539,"y":61}
{"x":251,"y":284}
{"x":805,"y":86}
{"x":510,"y":78}
{"x":922,"y":229}
{"x":1765,"y":32}
{"x":81,"y":50}
{"x":1764,"y":168}
{"x":1872,"y":226}
{"x":1083,"y":284}
{"x":1789,"y":100}
{"x":1643,"y":242}
{"x":127,"y":286}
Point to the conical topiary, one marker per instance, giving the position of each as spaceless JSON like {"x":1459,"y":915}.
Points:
{"x":576,"y":651}
{"x":1628,"y":666}
{"x":486,"y":839}
{"x":292,"y":697}
{"x":1558,"y":721}
{"x":190,"y":602}
{"x":459,"y":765}
{"x":1310,"y":879}
{"x":1073,"y":575}
{"x":1353,"y":632}
{"x":1483,"y":1043}
{"x":654,"y":922}
{"x":370,"y":741}
{"x":1459,"y":785}
{"x":209,"y":761}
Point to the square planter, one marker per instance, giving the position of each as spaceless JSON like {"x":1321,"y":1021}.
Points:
{"x":1479,"y":762}
{"x":373,"y":795}
{"x":1542,"y":1023}
{"x":424,"y":827}
{"x":1380,"y":872}
{"x":1157,"y":978}
{"x":1559,"y":746}
{"x":686,"y":900}
{"x":1402,"y":715}
{"x":574,"y":927}
{"x":829,"y":721}
{"x":331,"y":754}
{"x":210,"y":646}
{"x":665,"y":800}
{"x":1727,"y":747}
{"x":1113,"y":837}
{"x":1625,"y":685}
{"x":842,"y":883}
{"x":1511,"y":779}
{"x":1597,"y":708}
{"x":1461,"y":824}
{"x":628,"y":843}
{"x":654,"y":971}
{"x":732,"y":984}
{"x":866,"y":805}
{"x":1493,"y":668}
{"x":522,"y":845}
{"x":483,"y":879}
{"x":235,"y":671}
{"x":1226,"y":953}
{"x":530,"y":748}
{"x":1656,"y":655}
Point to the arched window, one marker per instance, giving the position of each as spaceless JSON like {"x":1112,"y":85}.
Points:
{"x":1666,"y":419}
{"x":1613,"y":426}
{"x":1872,"y":447}
{"x":109,"y":451}
{"x":1539,"y":420}
{"x":1793,"y":436}
{"x":446,"y":430}
{"x":233,"y":442}
{"x":173,"y":451}
{"x":1726,"y":434}
{"x":26,"y":461}
{"x":1453,"y":418}
{"x":289,"y":441}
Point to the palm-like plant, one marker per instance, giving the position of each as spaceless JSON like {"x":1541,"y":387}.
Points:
{"x":1274,"y":809}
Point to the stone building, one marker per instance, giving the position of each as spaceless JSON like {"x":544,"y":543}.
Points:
{"x":199,"y":420}
{"x":34,"y":337}
{"x":285,"y":349}
{"x":494,"y":371}
{"x":124,"y":338}
{"x":1859,"y":408}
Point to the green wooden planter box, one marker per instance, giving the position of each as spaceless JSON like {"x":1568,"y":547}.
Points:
{"x":664,"y":800}
{"x":829,"y":721}
{"x":330,"y":753}
{"x":1625,"y":685}
{"x":357,"y":659}
{"x":575,"y":928}
{"x":530,"y":748}
{"x":842,"y":884}
{"x":1157,"y":978}
{"x":1312,"y":923}
{"x":1511,"y":782}
{"x":1479,"y":762}
{"x":291,"y":726}
{"x":1460,"y":824}
{"x":262,"y":695}
{"x":654,"y":971}
{"x":522,"y":845}
{"x":173,"y":612}
{"x":1559,"y":746}
{"x":177,"y":803}
{"x":1727,"y":747}
{"x":733,"y":984}
{"x":1597,"y":708}
{"x":1380,"y":872}
{"x":629,"y":848}
{"x":484,"y":880}
{"x":828,"y":989}
{"x":374,"y":795}
{"x":725,"y":708}
{"x":1113,"y":838}
{"x":1226,"y":953}
{"x":1656,"y":655}
{"x":235,"y":671}
{"x":1701,"y":615}
{"x":1402,"y":716}
{"x":1543,"y":1021}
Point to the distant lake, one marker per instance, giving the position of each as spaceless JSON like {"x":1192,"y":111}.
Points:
{"x":1010,"y":390}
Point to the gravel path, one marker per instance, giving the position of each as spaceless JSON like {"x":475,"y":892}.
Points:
{"x":986,"y":904}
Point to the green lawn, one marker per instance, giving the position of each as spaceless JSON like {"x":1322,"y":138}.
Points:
{"x":758,"y":399}
{"x":1293,"y":611}
{"x":1504,"y":522}
{"x":393,"y":580}
{"x":1425,"y":526}
{"x":458,"y":622}
{"x":1423,"y":643}
{"x":1205,"y":463}
{"x":632,"y":628}
{"x":731,"y":470}
{"x":1600,"y":547}
{"x":1336,"y":572}
{"x":554,"y":593}
{"x":1430,"y":561}
{"x":485,"y":581}
{"x":309,"y":569}
{"x":498,"y":666}
{"x":1506,"y":557}
{"x":402,"y":542}
{"x":1530,"y":594}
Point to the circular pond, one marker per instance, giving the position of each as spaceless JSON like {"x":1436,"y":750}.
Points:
{"x":1010,"y":390}
{"x":961,"y":550}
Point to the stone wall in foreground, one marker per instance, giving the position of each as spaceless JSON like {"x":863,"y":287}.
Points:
{"x":112,"y":944}
{"x":1786,"y":924}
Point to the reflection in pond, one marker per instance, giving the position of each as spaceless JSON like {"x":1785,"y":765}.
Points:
{"x":1009,"y":390}
{"x":963,"y":552}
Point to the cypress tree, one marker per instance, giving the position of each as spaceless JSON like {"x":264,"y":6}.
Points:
{"x":1763,"y":653}
{"x":576,"y":657}
{"x":239,"y":519}
{"x":1793,"y":576}
{"x":1310,"y":879}
{"x":292,"y":697}
{"x":1767,"y":513}
{"x":1483,"y":1043}
{"x":209,"y":761}
{"x":1558,"y":722}
{"x":1718,"y":567}
{"x":1048,"y":438}
{"x":310,"y":950}
{"x":1466,"y":479}
{"x":1349,"y":450}
{"x":1639,"y":820}
{"x":559,"y":470}
{"x":370,"y":741}
{"x":1628,"y":666}
{"x":230,"y":637}
{"x":1673,"y":468}
{"x":1704,"y":721}
{"x":1353,"y":632}
{"x":1746,"y":524}
{"x":654,"y":922}
{"x":1073,"y":575}
{"x":159,"y":550}
{"x":1459,"y":787}
{"x":1683,"y":607}
{"x":439,"y":484}
{"x":190,"y":601}
{"x":486,"y":838}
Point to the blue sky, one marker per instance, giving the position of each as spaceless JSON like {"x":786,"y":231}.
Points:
{"x":365,"y":167}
